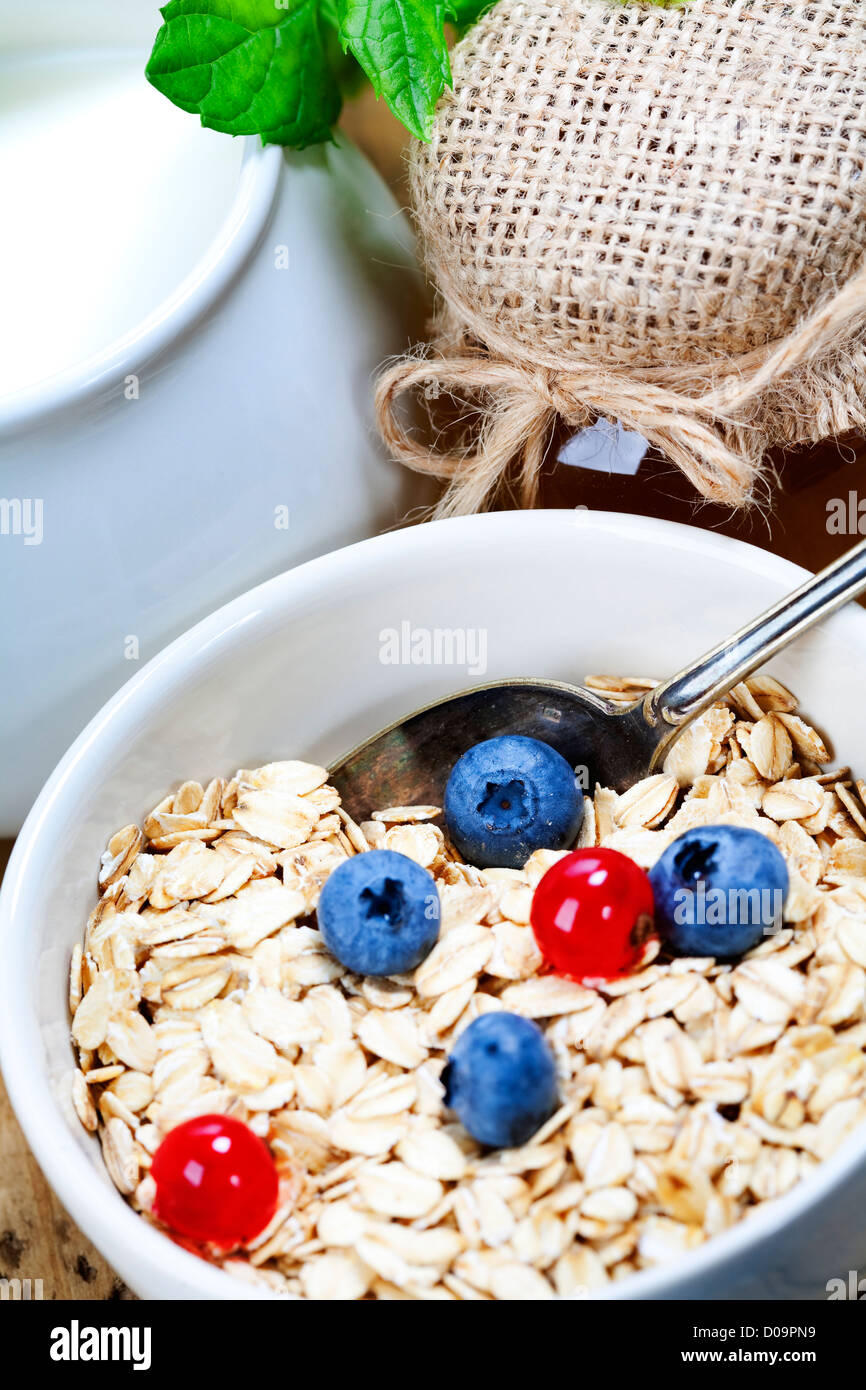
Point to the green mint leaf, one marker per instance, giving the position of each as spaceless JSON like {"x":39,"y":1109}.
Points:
{"x":344,"y":65}
{"x":248,"y":67}
{"x":465,"y":13}
{"x":401,"y":46}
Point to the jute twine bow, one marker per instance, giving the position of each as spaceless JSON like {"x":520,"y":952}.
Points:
{"x":698,"y":417}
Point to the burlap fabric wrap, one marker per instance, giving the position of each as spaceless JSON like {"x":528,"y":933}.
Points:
{"x":653,"y":215}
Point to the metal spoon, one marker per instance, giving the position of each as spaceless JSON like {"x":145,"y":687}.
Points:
{"x":408,"y":763}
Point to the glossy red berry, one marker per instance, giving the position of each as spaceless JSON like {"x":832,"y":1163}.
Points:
{"x":592,"y":915}
{"x":216,"y":1182}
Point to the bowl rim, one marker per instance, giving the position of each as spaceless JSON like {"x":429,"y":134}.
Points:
{"x":234,"y":239}
{"x":130,"y":1244}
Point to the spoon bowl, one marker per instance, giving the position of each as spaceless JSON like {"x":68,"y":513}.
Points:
{"x":409,"y":762}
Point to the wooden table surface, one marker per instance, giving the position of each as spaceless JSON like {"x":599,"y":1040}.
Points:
{"x":37,"y":1238}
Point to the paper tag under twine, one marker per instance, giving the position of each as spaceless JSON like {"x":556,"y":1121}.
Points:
{"x":655,"y":215}
{"x":605,"y":447}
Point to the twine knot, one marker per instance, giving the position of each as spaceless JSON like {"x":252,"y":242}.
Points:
{"x":700,"y":419}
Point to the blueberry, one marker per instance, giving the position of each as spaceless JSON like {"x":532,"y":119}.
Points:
{"x":510,"y":796}
{"x":719,"y":890}
{"x":501,"y":1080}
{"x":379,"y":913}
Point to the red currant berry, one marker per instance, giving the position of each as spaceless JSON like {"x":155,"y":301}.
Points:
{"x":216,"y":1182}
{"x":592,"y":915}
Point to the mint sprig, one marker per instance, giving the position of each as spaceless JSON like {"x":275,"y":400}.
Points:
{"x":249,"y":67}
{"x":279,"y":68}
{"x":401,"y":46}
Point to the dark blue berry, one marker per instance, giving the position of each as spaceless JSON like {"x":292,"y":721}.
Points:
{"x":501,"y":1080}
{"x":379,"y":913}
{"x":719,"y":889}
{"x":508,"y":797}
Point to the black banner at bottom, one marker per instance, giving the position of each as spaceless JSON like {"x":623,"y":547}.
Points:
{"x":246,"y":1337}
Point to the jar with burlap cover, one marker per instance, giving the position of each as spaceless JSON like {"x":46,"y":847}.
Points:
{"x":652,"y":215}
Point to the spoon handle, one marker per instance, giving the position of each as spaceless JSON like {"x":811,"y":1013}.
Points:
{"x":694,"y":689}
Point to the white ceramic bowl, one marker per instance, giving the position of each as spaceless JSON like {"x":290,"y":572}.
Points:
{"x":254,"y":393}
{"x":294,"y":668}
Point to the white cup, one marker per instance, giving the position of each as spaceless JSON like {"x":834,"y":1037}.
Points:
{"x":185,"y":405}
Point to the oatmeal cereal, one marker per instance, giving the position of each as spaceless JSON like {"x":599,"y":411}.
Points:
{"x":689,"y":1092}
